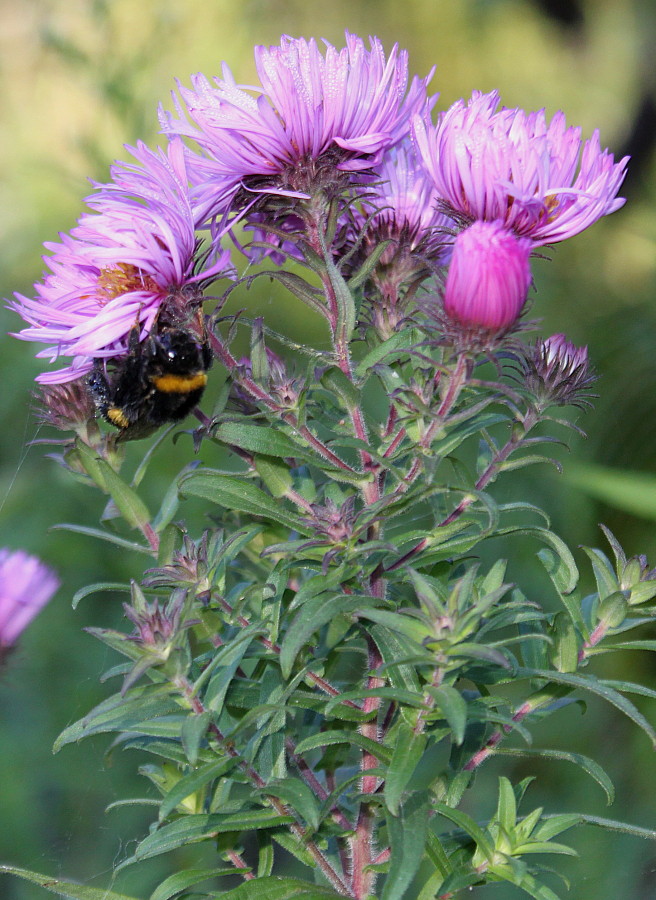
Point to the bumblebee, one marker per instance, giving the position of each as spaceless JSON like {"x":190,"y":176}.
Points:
{"x":160,"y":380}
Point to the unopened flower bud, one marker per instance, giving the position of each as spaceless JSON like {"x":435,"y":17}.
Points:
{"x":68,"y":406}
{"x":558,"y":372}
{"x":489,"y":277}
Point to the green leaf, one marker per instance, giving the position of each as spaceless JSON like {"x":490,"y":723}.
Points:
{"x":167,"y":510}
{"x":326,"y":738}
{"x":259,"y":439}
{"x":277,"y":888}
{"x":408,"y":832}
{"x":316,"y":613}
{"x":337,"y":382}
{"x":343,"y":301}
{"x":194,"y":828}
{"x":564,"y":651}
{"x":588,"y":765}
{"x":121,"y":713}
{"x":604,"y":574}
{"x":467,"y":824}
{"x":192,"y":782}
{"x":624,"y":827}
{"x":65,"y":888}
{"x":222,"y":669}
{"x":399,"y":340}
{"x":104,"y":536}
{"x":180,"y":881}
{"x":408,"y":750}
{"x":404,"y":625}
{"x":567,"y":571}
{"x":301,"y":289}
{"x":613,"y":610}
{"x":394,"y":647}
{"x":297,"y":794}
{"x":506,"y":806}
{"x":524,"y":880}
{"x":194,"y":729}
{"x":368,"y":265}
{"x":97,"y":588}
{"x":554,"y":824}
{"x":235,"y":493}
{"x":130,"y":505}
{"x":479,"y":651}
{"x":454,"y":707}
{"x":600,"y":688}
{"x":274,"y":473}
{"x":560,"y":576}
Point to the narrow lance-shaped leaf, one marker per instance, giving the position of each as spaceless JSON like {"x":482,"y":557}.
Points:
{"x":277,"y":888}
{"x":180,"y":881}
{"x":408,"y":749}
{"x":64,"y":888}
{"x":601,"y":689}
{"x":408,"y":834}
{"x":235,"y":493}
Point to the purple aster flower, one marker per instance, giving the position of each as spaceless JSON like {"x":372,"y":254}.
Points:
{"x":26,"y":585}
{"x":488,"y":279}
{"x":133,"y":253}
{"x":317,"y":115}
{"x":402,"y":206}
{"x":399,"y":207}
{"x":509,"y":166}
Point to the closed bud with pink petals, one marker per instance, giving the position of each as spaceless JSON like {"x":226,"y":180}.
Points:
{"x":488,"y":279}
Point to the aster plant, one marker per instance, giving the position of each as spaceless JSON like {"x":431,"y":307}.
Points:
{"x":319,"y":671}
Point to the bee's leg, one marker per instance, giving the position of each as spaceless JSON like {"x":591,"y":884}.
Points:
{"x":207,"y":356}
{"x":133,"y":338}
{"x":99,"y":387}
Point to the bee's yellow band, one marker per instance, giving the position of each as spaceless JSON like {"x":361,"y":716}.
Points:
{"x":179,"y":384}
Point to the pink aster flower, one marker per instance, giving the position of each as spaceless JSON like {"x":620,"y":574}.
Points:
{"x":402,"y":205}
{"x":509,"y":166}
{"x":119,"y":264}
{"x":26,"y":585}
{"x":489,"y":277}
{"x":338,"y":108}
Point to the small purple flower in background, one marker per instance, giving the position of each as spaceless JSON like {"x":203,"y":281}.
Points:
{"x":318,"y":115}
{"x":558,"y":373}
{"x":509,"y":166}
{"x":119,"y":264}
{"x":26,"y":585}
{"x":488,"y":279}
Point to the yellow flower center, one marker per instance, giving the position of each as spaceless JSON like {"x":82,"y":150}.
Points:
{"x":121,"y":279}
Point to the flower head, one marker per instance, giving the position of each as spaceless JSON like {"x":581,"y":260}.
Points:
{"x":317,"y":115}
{"x":488,"y":279}
{"x":398,"y":208}
{"x":510,"y":166}
{"x":119,"y":265}
{"x":402,"y":205}
{"x":557,"y":372}
{"x":26,"y":585}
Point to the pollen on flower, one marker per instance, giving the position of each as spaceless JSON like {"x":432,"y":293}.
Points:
{"x":114,"y":281}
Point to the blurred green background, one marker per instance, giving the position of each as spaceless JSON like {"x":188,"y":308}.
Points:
{"x":80,"y":78}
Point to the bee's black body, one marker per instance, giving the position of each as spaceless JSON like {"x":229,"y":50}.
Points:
{"x":160,"y":380}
